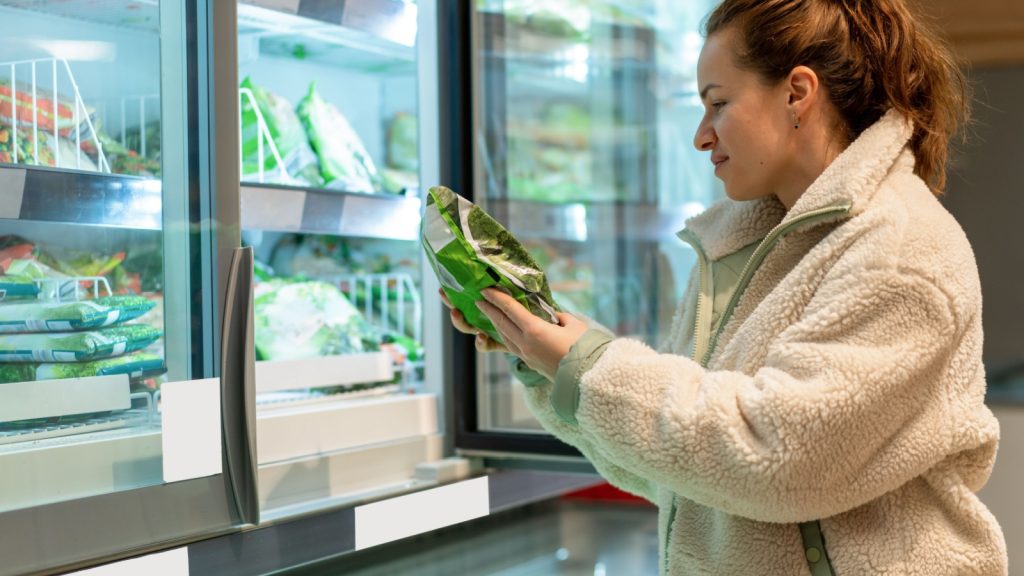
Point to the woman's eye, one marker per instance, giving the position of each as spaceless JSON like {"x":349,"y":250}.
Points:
{"x":717,"y":105}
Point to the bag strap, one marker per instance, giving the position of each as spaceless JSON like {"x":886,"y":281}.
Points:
{"x":814,"y":549}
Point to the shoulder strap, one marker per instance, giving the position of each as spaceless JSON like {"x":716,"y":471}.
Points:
{"x":814,"y":549}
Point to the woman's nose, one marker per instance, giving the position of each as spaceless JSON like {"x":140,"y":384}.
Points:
{"x":705,"y":137}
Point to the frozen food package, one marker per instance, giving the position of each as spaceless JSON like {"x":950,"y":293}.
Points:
{"x":19,"y":146}
{"x":13,"y":287}
{"x":308,"y":319}
{"x":137,"y":364}
{"x":287,"y":133}
{"x":40,"y":114}
{"x":77,"y":346}
{"x":403,"y":143}
{"x":344,"y":161}
{"x":470,"y":251}
{"x":41,"y":316}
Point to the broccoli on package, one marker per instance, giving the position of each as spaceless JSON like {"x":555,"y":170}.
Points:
{"x":470,"y":251}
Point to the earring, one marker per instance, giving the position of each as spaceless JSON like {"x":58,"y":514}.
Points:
{"x":796,"y":122}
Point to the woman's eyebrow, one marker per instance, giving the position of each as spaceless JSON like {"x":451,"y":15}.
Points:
{"x":704,"y":91}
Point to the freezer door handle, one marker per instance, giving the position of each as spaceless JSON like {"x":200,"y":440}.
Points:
{"x":238,"y":388}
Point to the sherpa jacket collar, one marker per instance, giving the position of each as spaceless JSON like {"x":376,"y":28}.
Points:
{"x":850,"y":180}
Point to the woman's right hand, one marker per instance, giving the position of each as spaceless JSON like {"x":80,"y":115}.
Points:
{"x":484,"y":343}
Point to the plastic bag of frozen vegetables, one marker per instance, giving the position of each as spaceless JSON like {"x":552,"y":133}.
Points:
{"x":37,"y":316}
{"x":344,"y":161}
{"x":308,"y":319}
{"x":140,"y":363}
{"x":76,"y":346}
{"x":14,"y":287}
{"x":469,"y":251}
{"x":288,"y":135}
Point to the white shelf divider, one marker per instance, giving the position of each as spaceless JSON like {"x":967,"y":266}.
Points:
{"x":342,"y":370}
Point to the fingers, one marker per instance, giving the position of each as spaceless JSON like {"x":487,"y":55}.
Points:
{"x":508,"y":330}
{"x":484,"y":343}
{"x":510,"y":308}
{"x":444,"y":298}
{"x":459,"y":321}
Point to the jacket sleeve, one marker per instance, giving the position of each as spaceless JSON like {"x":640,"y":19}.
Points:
{"x":538,"y":399}
{"x":854,"y":399}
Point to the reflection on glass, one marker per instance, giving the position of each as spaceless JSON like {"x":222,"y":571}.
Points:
{"x":584,"y":150}
{"x":81,"y":251}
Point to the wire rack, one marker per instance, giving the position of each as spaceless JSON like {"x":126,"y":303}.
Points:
{"x":265,"y":141}
{"x":73,"y":289}
{"x":26,"y":84}
{"x":390,"y":302}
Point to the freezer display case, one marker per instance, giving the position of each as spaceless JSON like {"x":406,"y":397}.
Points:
{"x":330,"y":196}
{"x":106,"y":368}
{"x":582,"y":119}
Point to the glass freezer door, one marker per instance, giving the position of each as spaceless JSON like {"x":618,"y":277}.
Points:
{"x":110,"y":414}
{"x":583,"y":116}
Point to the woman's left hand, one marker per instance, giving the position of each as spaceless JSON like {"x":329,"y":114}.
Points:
{"x":539,"y":343}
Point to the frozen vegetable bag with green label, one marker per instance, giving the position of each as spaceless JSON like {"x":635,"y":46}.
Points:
{"x":35,"y":316}
{"x":76,"y":346}
{"x":469,"y":251}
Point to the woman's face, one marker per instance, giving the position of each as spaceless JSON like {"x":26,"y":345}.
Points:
{"x":746,"y":125}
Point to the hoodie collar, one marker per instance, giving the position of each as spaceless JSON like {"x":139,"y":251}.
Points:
{"x":850,"y":180}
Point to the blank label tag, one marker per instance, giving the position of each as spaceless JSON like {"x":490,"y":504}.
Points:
{"x":12,"y":190}
{"x":191,"y":429}
{"x":169,"y":563}
{"x":412,"y":514}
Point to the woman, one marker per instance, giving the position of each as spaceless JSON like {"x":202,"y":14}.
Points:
{"x":821,"y":412}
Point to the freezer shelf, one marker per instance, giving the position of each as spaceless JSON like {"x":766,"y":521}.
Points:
{"x":54,"y":398}
{"x":373,"y":35}
{"x":345,"y":475}
{"x":311,"y":210}
{"x":288,"y":432}
{"x":52,"y":195}
{"x":137,"y":14}
{"x":342,"y":370}
{"x":79,"y":466}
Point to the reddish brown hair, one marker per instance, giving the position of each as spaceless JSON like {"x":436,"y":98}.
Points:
{"x":871,"y":55}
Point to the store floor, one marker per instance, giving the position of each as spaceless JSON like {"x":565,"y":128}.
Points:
{"x":550,"y":538}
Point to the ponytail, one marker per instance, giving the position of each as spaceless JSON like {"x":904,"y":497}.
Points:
{"x":871,"y":55}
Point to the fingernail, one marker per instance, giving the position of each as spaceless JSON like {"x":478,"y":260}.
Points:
{"x":486,"y":293}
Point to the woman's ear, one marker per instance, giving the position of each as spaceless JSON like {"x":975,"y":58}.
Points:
{"x":802,"y":86}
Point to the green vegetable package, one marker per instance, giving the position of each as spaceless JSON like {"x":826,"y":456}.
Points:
{"x":139,"y":363}
{"x":470,"y":251}
{"x":76,"y":346}
{"x":36,"y":316}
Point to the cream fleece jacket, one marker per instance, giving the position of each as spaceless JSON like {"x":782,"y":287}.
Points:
{"x":846,"y":386}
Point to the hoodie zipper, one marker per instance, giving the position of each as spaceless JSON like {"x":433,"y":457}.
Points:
{"x":766,"y":245}
{"x":705,"y":297}
{"x":704,"y":341}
